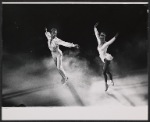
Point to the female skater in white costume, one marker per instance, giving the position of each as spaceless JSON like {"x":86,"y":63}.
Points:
{"x":105,"y":57}
{"x":53,"y":44}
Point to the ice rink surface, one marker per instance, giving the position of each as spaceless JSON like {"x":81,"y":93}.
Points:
{"x":127,"y":100}
{"x":127,"y":91}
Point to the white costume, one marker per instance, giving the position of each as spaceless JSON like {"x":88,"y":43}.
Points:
{"x":53,"y":45}
{"x":102,"y":48}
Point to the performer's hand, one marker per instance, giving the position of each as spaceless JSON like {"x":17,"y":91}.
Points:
{"x":96,"y":24}
{"x":116,"y":35}
{"x":45,"y":29}
{"x":76,"y":46}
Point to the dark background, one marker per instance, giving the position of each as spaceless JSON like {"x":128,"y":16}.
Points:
{"x":23,"y":30}
{"x":27,"y":63}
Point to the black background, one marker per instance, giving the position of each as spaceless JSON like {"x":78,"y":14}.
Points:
{"x":23,"y":29}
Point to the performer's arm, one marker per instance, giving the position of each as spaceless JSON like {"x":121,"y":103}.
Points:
{"x":110,"y":41}
{"x":66,"y":44}
{"x":47,"y":34}
{"x":97,"y":34}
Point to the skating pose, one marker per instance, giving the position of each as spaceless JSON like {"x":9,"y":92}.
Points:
{"x":105,"y":57}
{"x":53,"y":44}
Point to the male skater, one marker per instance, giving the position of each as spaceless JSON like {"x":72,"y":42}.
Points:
{"x":53,"y":44}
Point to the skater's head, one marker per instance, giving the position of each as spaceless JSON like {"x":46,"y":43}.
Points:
{"x":102,"y":37}
{"x":54,"y":32}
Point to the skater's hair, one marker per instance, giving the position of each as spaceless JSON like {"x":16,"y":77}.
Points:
{"x":53,"y":29}
{"x":103,"y":34}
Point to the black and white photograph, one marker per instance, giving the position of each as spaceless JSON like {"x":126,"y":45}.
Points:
{"x":90,"y":57}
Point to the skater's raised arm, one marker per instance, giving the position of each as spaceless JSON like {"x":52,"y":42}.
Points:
{"x":47,"y":34}
{"x":97,"y":34}
{"x":66,"y":44}
{"x":110,"y":41}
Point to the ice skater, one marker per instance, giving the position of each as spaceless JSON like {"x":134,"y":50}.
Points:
{"x":104,"y":56}
{"x":53,"y":44}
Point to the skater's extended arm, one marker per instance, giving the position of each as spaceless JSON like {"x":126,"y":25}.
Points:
{"x":97,"y":34}
{"x":47,"y":34}
{"x":110,"y":41}
{"x":66,"y":44}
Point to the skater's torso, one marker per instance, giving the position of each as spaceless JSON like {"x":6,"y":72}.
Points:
{"x":53,"y":44}
{"x":102,"y":49}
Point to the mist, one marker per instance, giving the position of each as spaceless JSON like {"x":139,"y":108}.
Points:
{"x":36,"y":82}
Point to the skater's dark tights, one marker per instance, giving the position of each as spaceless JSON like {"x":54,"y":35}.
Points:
{"x":106,"y":70}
